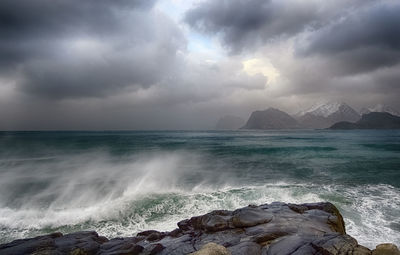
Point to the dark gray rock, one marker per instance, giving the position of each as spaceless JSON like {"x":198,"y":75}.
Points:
{"x":275,"y":228}
{"x":245,"y":248}
{"x":85,"y":242}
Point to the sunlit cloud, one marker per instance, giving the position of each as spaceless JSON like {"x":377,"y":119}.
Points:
{"x":261,"y":66}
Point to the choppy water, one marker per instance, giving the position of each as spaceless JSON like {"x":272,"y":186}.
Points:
{"x":119,"y":183}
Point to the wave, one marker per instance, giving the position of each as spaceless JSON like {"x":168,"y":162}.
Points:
{"x":120,"y":196}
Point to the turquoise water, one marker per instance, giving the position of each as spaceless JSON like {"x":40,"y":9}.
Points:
{"x":119,"y":183}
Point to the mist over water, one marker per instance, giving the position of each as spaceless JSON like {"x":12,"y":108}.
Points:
{"x":119,"y":183}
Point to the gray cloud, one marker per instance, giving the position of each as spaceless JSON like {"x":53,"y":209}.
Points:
{"x":124,"y":64}
{"x":28,"y":28}
{"x":245,"y":23}
{"x":248,"y":24}
{"x":27,"y":19}
{"x":363,"y":41}
{"x":106,"y":64}
{"x":61,"y":49}
{"x":341,"y":49}
{"x":356,"y":36}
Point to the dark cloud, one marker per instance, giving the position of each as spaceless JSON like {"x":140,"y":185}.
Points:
{"x":363,"y":41}
{"x":29,"y":26}
{"x":21,"y":19}
{"x":245,"y":24}
{"x":61,"y":48}
{"x":356,"y":36}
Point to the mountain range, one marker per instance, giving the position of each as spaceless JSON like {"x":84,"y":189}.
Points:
{"x":325,"y":115}
{"x":319,"y":116}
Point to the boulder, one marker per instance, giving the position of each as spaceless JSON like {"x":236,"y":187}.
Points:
{"x":386,"y":249}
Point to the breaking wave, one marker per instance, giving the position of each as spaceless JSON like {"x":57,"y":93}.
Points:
{"x":120,"y":196}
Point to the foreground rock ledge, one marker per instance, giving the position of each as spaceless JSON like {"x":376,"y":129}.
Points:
{"x":275,"y":228}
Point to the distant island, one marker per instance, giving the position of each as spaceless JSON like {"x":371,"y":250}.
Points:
{"x":333,"y":115}
{"x":372,"y":120}
{"x":271,"y":119}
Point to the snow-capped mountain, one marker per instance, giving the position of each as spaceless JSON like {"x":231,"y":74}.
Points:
{"x":319,"y":116}
{"x":380,"y":108}
{"x":327,"y":109}
{"x":326,"y":114}
{"x":321,"y":109}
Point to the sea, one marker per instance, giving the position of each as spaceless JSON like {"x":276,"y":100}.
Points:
{"x":119,"y":183}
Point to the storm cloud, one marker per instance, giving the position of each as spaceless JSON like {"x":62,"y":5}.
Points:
{"x":62,"y":49}
{"x":321,"y":48}
{"x":247,"y":24}
{"x":173,"y":64}
{"x":357,"y":36}
{"x":362,"y":41}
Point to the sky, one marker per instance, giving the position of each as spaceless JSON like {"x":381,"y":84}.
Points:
{"x":183,"y":64}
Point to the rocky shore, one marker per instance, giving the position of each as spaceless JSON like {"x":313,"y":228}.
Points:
{"x":275,"y":228}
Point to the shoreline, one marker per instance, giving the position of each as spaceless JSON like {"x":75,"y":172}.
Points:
{"x":276,"y":228}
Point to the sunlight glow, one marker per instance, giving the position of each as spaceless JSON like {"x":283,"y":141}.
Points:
{"x":261,"y":66}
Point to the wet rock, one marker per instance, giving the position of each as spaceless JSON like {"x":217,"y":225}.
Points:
{"x":337,"y":244}
{"x":276,"y":228}
{"x":157,"y":249}
{"x":85,"y":242}
{"x":249,"y":217}
{"x":121,"y":246}
{"x":245,"y":248}
{"x":214,"y":223}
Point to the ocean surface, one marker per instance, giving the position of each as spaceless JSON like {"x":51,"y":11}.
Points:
{"x":119,"y":183}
